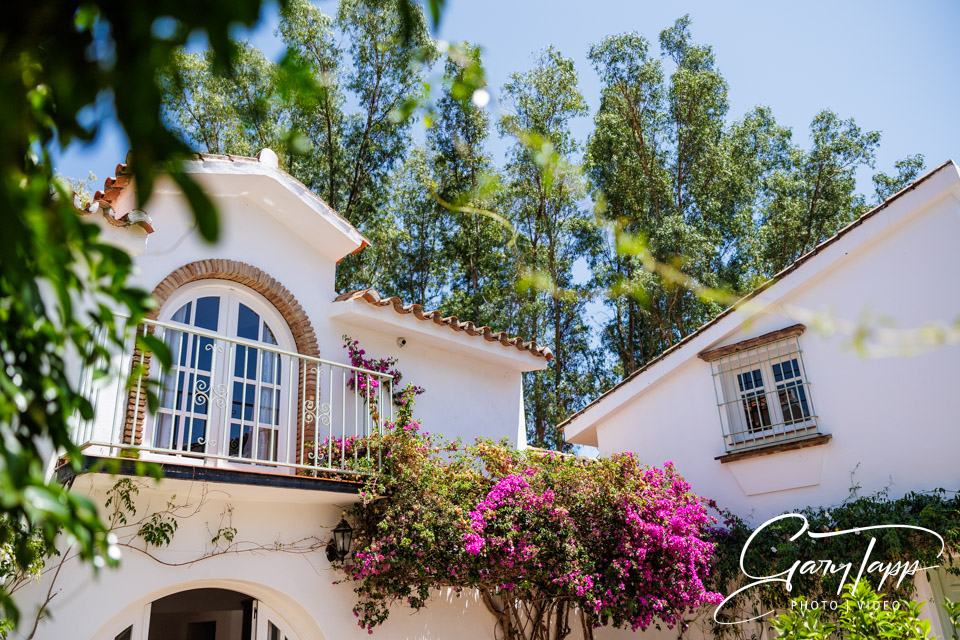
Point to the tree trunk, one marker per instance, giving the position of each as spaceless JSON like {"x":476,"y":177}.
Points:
{"x":534,"y":617}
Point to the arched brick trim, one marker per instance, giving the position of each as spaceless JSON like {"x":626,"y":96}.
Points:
{"x":242,"y":273}
{"x":276,"y":294}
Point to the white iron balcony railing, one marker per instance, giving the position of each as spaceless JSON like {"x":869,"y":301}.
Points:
{"x":235,"y":403}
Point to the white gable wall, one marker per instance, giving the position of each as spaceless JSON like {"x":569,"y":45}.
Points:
{"x":894,"y":421}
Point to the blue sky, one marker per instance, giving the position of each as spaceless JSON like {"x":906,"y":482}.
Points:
{"x":890,"y":65}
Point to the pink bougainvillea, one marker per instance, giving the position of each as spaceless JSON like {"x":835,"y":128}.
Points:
{"x":367,"y":384}
{"x":611,"y":541}
{"x":541,"y":536}
{"x":628,"y":543}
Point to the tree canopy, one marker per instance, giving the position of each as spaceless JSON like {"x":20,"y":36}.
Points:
{"x":674,"y":178}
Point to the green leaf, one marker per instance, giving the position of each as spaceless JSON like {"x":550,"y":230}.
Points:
{"x":152,"y":344}
{"x":203,"y":209}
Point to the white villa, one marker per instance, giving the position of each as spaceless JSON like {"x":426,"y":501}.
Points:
{"x":769,"y":408}
{"x":766,"y":409}
{"x":260,"y":396}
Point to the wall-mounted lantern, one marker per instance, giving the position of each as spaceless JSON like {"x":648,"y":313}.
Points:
{"x":339,"y":548}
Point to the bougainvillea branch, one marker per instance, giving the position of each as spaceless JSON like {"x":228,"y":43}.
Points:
{"x":369,"y":386}
{"x":361,"y":381}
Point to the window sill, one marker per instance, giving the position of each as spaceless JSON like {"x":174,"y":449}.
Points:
{"x":787,"y":445}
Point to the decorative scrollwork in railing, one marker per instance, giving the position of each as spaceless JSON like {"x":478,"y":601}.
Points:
{"x":201,"y":387}
{"x":315,"y":412}
{"x":319,"y":413}
{"x":220,"y":395}
{"x":200,"y":391}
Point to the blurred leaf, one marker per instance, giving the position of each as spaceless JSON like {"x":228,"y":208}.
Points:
{"x":207,"y":221}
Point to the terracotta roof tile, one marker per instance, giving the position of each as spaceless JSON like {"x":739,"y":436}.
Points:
{"x":372,"y":296}
{"x":113,"y":186}
{"x":105,"y":209}
{"x":104,"y":202}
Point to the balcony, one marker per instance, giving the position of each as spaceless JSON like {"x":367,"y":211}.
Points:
{"x":234,"y":403}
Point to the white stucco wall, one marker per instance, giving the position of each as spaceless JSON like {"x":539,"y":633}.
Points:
{"x":298,"y":586}
{"x":893,"y":419}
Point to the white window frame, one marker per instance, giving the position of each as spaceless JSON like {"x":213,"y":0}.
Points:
{"x":231,"y":295}
{"x":733,"y":401}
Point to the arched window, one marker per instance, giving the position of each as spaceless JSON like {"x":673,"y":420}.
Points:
{"x":226,"y":396}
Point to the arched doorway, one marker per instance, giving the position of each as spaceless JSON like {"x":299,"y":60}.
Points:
{"x":208,"y":614}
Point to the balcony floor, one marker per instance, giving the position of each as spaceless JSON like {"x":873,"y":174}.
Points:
{"x":346,"y":489}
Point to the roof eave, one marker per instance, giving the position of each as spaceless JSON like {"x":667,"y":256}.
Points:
{"x":116,"y":188}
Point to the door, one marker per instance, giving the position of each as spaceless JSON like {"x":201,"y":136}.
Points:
{"x":268,"y":624}
{"x":202,"y":613}
{"x":254,"y":382}
{"x":225,"y":398}
{"x":945,"y":585}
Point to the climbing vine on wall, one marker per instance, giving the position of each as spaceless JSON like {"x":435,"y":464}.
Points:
{"x":772,"y":551}
{"x":551,"y":542}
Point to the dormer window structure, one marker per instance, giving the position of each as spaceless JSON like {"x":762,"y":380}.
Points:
{"x":763,"y":391}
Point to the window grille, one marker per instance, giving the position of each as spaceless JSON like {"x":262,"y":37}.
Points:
{"x":763,"y":394}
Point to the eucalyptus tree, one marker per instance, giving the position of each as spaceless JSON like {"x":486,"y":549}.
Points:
{"x":542,"y":201}
{"x":312,"y":41}
{"x":665,"y":173}
{"x":725,"y":205}
{"x":382,"y":77}
{"x":416,"y":231}
{"x":338,"y":129}
{"x":687,"y":200}
{"x":235,"y":111}
{"x":908,"y":169}
{"x":815,"y":195}
{"x":353,"y":152}
{"x":468,"y":186}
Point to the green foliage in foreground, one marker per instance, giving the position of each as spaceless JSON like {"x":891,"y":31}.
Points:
{"x":862,"y":614}
{"x":64,"y":65}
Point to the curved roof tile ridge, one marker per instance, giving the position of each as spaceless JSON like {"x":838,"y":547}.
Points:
{"x":373,"y":297}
